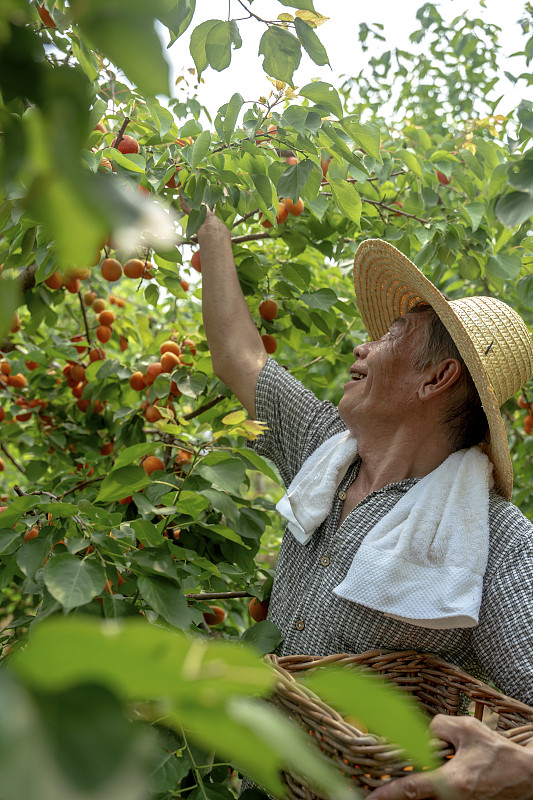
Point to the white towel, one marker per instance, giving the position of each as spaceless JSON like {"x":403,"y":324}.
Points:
{"x":424,"y":561}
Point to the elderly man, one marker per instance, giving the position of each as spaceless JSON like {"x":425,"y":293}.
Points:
{"x":400,"y":531}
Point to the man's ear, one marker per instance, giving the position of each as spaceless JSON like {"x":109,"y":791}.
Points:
{"x":440,"y":378}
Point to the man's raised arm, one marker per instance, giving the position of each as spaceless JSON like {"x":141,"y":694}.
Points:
{"x":236,"y":348}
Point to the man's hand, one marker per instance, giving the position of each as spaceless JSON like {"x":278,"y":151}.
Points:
{"x":486,"y":766}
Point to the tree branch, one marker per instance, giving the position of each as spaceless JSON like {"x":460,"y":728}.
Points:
{"x":218,"y":399}
{"x":13,"y":461}
{"x":217,"y":595}
{"x":85,"y":322}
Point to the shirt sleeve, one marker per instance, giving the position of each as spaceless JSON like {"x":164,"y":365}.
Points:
{"x":298,"y":422}
{"x":503,"y":640}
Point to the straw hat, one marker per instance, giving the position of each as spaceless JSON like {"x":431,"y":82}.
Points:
{"x":492,"y":339}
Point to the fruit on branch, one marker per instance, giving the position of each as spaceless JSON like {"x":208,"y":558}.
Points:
{"x":98,"y":305}
{"x":126,"y":145}
{"x":521,"y":402}
{"x":184,"y":285}
{"x":103,"y":333}
{"x":134,"y":268}
{"x":258,"y":609}
{"x":268,"y":309}
{"x":72,"y":285}
{"x":111,"y":270}
{"x":169,"y":361}
{"x":152,"y":371}
{"x":216,"y":616}
{"x":2,"y":414}
{"x":17,"y":381}
{"x":123,"y":343}
{"x":5,"y":368}
{"x":195,"y":261}
{"x":281,"y":216}
{"x":55,"y":280}
{"x":292,"y":160}
{"x":170,"y":346}
{"x":269,"y":343}
{"x":107,"y":448}
{"x":106,"y":317}
{"x":151,"y":464}
{"x":100,"y":127}
{"x":324,"y":163}
{"x":15,"y":324}
{"x":32,"y":533}
{"x":89,"y":298}
{"x":442,"y":178}
{"x":137,"y":381}
{"x":528,"y":423}
{"x":97,"y":354}
{"x":2,"y":465}
{"x":294,"y":208}
{"x":152,"y":414}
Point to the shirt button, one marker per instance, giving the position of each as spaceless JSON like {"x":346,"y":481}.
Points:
{"x":325,"y":561}
{"x":300,"y":625}
{"x":341,"y":495}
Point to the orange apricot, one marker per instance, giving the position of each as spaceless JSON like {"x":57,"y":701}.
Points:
{"x":268,"y":309}
{"x":55,"y":281}
{"x":134,"y":268}
{"x":151,"y":464}
{"x":111,"y":269}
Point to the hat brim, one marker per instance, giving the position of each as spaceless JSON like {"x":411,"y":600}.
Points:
{"x":387,"y":284}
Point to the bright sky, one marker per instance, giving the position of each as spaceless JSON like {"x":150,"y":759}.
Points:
{"x":340,"y":38}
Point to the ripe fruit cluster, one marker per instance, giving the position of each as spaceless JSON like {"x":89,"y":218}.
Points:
{"x":285,"y":207}
{"x":172,"y":356}
{"x":523,"y":403}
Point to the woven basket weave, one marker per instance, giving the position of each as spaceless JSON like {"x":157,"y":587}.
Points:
{"x":369,"y":760}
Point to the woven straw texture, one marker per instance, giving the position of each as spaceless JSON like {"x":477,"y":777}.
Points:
{"x":492,"y":338}
{"x":369,"y":760}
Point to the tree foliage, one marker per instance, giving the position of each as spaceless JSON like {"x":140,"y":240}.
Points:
{"x":129,"y":490}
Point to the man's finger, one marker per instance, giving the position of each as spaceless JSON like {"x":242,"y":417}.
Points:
{"x":413,"y":787}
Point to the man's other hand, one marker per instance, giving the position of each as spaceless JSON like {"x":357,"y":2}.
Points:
{"x":486,"y":766}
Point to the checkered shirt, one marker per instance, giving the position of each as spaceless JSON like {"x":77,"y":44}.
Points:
{"x":314,"y":621}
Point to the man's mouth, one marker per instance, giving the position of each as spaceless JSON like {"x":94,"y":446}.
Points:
{"x":356,"y":376}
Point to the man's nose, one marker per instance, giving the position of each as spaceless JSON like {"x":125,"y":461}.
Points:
{"x":361,"y":350}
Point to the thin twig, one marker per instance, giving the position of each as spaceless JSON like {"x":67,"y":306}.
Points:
{"x":86,"y":323}
{"x":13,"y":460}
{"x":244,"y":218}
{"x":120,"y":134}
{"x":82,"y":485}
{"x":218,"y":399}
{"x":217,"y":595}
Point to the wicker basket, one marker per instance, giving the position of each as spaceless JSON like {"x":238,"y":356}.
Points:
{"x":369,"y":760}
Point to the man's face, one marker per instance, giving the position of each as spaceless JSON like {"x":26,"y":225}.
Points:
{"x":384,"y":382}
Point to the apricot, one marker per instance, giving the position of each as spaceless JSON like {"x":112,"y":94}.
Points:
{"x":170,"y":347}
{"x":268,"y":309}
{"x":151,"y":464}
{"x":98,"y":305}
{"x":137,"y":381}
{"x":258,"y":609}
{"x":89,"y":298}
{"x":152,"y":414}
{"x":169,"y":361}
{"x":79,"y":338}
{"x":2,"y":414}
{"x":196,"y":262}
{"x":73,"y":285}
{"x":32,"y":533}
{"x":281,"y":216}
{"x":269,"y":343}
{"x":152,"y":371}
{"x":134,"y":268}
{"x":528,"y":423}
{"x":77,"y":373}
{"x":55,"y":280}
{"x":111,"y":270}
{"x":103,"y":333}
{"x":5,"y":368}
{"x":184,"y":285}
{"x":18,"y":381}
{"x":126,"y":145}
{"x":2,"y":468}
{"x":106,"y":318}
{"x":294,"y":208}
{"x":107,"y":449}
{"x":123,"y":343}
{"x":216,"y":616}
{"x":97,"y":354}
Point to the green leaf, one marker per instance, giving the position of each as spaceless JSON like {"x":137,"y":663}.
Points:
{"x":124,"y":32}
{"x":58,"y":509}
{"x":265,"y":191}
{"x":197,"y":44}
{"x":122,"y":482}
{"x":10,"y":297}
{"x":525,"y":114}
{"x":73,"y":581}
{"x":310,"y":41}
{"x":367,"y":136}
{"x":323,"y":94}
{"x":227,"y":475}
{"x":264,"y":636}
{"x":347,"y":199}
{"x":222,"y":530}
{"x":323,"y":299}
{"x":524,"y":288}
{"x":134,"y":453}
{"x":292,"y":181}
{"x":166,"y":598}
{"x":200,"y":148}
{"x":133,"y":162}
{"x":514,"y":208}
{"x":218,"y":43}
{"x":17,"y":508}
{"x":520,"y":175}
{"x":474,"y":212}
{"x":410,"y":161}
{"x":504,"y":266}
{"x":191,"y":504}
{"x":7,"y":537}
{"x":260,"y":463}
{"x":383,"y":708}
{"x":32,"y":554}
{"x":282,"y":53}
{"x":231,"y":115}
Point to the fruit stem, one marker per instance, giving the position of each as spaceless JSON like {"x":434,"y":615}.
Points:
{"x":120,"y":134}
